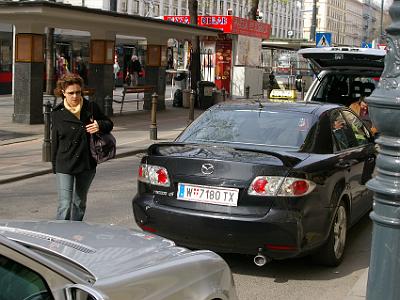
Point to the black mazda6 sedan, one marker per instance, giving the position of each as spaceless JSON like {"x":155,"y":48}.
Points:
{"x":275,"y":180}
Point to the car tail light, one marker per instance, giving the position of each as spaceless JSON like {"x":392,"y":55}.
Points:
{"x":280,"y":186}
{"x":155,"y":175}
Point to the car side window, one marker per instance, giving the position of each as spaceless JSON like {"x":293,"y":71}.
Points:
{"x":341,"y":132}
{"x":17,"y":282}
{"x":360,"y":131}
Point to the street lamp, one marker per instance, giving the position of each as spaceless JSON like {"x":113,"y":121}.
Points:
{"x":381,"y":28}
{"x":313,"y":27}
{"x":384,"y":107}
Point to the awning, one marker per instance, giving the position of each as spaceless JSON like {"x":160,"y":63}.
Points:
{"x":34,"y":14}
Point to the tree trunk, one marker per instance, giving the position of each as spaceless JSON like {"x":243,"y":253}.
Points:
{"x":50,"y":84}
{"x":252,"y":15}
{"x":195,"y":56}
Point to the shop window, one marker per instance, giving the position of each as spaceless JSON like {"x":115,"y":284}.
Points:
{"x":5,"y":55}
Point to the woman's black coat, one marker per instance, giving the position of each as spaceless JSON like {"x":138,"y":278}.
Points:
{"x":70,"y":148}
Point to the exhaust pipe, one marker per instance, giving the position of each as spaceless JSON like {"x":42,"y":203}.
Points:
{"x":261,"y":260}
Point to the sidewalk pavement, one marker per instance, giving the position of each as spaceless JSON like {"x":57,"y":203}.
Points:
{"x":21,"y":147}
{"x":21,"y":144}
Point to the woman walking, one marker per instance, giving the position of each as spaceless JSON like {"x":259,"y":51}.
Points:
{"x":73,"y":121}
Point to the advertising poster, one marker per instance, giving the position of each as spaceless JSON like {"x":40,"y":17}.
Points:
{"x":223,"y":64}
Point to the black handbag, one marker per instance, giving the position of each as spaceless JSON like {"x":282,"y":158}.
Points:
{"x":103,"y":146}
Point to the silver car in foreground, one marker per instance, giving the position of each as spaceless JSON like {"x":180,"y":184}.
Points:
{"x":62,"y":260}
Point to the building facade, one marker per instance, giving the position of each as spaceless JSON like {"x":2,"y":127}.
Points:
{"x":286,"y":17}
{"x":351,"y":22}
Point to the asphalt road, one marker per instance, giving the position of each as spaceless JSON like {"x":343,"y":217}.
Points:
{"x":110,"y":202}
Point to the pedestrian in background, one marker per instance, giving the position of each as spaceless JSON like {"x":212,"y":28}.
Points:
{"x":116,"y":69}
{"x":73,"y":121}
{"x":81,"y":69}
{"x":134,"y":67}
{"x":360,"y":107}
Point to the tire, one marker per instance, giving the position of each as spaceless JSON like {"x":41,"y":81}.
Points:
{"x":332,"y":252}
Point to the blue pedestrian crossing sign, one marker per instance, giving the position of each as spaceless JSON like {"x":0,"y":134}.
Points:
{"x":323,"y":39}
{"x":366,"y":45}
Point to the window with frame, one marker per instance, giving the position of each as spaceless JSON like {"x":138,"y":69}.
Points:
{"x":156,"y":10}
{"x":19,"y":282}
{"x":360,"y":131}
{"x":135,"y":6}
{"x":342,"y":134}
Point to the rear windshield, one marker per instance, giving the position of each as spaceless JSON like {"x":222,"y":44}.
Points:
{"x":266,"y":128}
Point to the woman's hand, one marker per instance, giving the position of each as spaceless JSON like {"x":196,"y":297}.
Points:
{"x":93,"y":127}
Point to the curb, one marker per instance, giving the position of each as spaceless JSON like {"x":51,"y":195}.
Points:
{"x":50,"y":170}
{"x":359,"y":290}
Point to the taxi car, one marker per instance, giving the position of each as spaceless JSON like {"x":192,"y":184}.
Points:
{"x":273,"y":180}
{"x":279,"y":95}
{"x":62,"y":260}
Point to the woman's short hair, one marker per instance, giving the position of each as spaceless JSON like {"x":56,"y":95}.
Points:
{"x":65,"y":81}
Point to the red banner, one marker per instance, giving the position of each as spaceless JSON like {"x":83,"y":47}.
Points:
{"x":228,"y":24}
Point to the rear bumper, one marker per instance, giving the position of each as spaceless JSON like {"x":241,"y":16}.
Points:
{"x":278,"y":234}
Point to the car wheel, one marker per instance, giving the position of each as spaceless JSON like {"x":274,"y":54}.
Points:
{"x":331,"y":254}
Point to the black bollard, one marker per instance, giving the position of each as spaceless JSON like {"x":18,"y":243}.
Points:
{"x":247,"y":92}
{"x":223,"y":94}
{"x":46,"y":147}
{"x":153,"y":126}
{"x":108,"y":109}
{"x":191,"y":107}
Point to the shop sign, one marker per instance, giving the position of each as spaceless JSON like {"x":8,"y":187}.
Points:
{"x":250,"y":28}
{"x":178,"y":19}
{"x":228,"y":24}
{"x":218,"y":22}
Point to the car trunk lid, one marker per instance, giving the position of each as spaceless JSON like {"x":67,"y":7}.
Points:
{"x":344,"y":58}
{"x":232,"y":168}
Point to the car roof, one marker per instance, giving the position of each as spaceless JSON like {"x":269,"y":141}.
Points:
{"x":310,"y":107}
{"x":345,"y":58}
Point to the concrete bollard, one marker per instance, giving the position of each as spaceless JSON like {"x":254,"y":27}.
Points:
{"x":153,"y":126}
{"x":46,"y":146}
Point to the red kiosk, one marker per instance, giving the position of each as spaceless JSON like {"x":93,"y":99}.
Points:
{"x":233,"y":59}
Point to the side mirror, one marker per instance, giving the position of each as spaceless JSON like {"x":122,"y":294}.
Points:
{"x":83,"y":292}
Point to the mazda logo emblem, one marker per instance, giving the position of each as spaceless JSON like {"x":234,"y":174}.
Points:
{"x":207,"y":169}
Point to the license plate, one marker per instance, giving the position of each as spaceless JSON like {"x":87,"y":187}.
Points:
{"x":208,"y":194}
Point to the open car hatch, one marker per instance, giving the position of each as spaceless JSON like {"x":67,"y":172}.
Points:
{"x":344,"y":58}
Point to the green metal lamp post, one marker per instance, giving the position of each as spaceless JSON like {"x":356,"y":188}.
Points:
{"x":384,"y":107}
